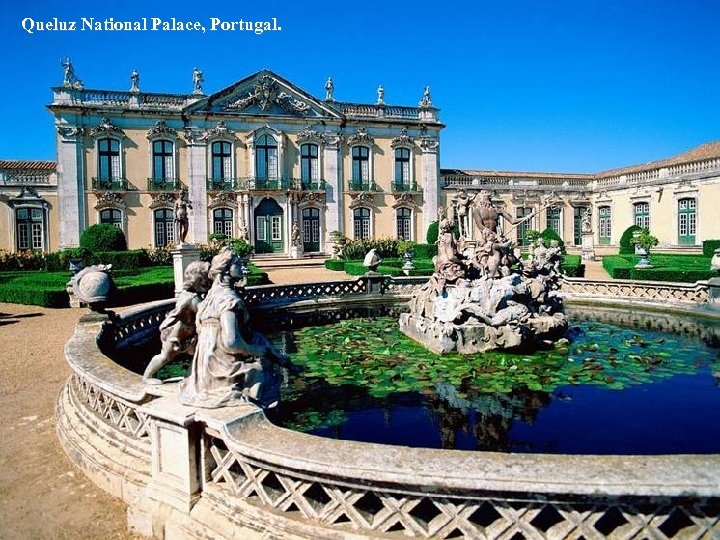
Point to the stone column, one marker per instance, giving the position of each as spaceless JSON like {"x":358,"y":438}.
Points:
{"x":430,"y":180}
{"x":71,"y":185}
{"x":197,"y":189}
{"x":332,"y":174}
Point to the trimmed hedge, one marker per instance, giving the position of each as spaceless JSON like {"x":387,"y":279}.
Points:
{"x":335,"y":264}
{"x":573,"y":266}
{"x":677,"y":268}
{"x":425,"y":251}
{"x":626,"y":245}
{"x":432,"y":233}
{"x":709,"y":247}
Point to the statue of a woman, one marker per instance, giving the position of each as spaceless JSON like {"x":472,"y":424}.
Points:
{"x":231,"y":363}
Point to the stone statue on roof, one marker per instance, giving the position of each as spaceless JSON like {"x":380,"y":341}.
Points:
{"x":69,"y":78}
{"x":134,"y":81}
{"x":197,"y":81}
{"x":380,"y":95}
{"x":329,"y":89}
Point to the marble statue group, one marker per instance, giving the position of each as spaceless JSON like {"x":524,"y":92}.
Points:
{"x":483,"y":294}
{"x":231,"y":363}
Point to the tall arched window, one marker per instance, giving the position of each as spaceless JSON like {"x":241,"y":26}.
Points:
{"x":361,"y":167}
{"x":309,"y":166}
{"x":604,"y":224}
{"x":641,"y":214}
{"x":164,"y":227}
{"x":221,"y":162}
{"x":402,"y":169}
{"x":29,"y":226}
{"x":687,"y":220}
{"x":223,"y":222}
{"x":113,"y":216}
{"x":403,"y":221}
{"x":554,"y":221}
{"x":266,"y":158}
{"x":522,"y":212}
{"x":163,"y":161}
{"x":108,"y":160}
{"x":361,"y":224}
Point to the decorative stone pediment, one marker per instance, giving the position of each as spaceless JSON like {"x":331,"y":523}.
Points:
{"x":408,"y":200}
{"x":110,"y":199}
{"x":220,"y":131}
{"x":162,"y":200}
{"x":402,"y":141}
{"x":363,"y":198}
{"x":28,"y":196}
{"x":360,"y":137}
{"x":223,"y":199}
{"x":264,"y":93}
{"x":161,"y":130}
{"x":106,"y":129}
{"x":312,"y":198}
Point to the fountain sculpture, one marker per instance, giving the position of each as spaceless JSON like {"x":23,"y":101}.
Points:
{"x":486,"y":296}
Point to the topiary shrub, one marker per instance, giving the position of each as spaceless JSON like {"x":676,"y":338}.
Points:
{"x":425,"y":251}
{"x":626,"y":245}
{"x":548,"y":235}
{"x":432,"y":233}
{"x":103,"y":237}
{"x":335,"y":264}
{"x":709,"y":247}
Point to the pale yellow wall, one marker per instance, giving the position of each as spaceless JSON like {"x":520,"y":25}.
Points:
{"x":6,"y":225}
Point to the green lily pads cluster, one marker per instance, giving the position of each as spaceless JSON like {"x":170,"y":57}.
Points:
{"x":373,"y":354}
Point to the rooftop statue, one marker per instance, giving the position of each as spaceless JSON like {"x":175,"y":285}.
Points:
{"x":232,"y":364}
{"x":329,"y":89}
{"x":198,"y":79}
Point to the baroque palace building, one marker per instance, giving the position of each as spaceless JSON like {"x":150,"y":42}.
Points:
{"x":262,"y":155}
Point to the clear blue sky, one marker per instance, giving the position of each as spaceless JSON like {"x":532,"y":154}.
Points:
{"x":527,"y":85}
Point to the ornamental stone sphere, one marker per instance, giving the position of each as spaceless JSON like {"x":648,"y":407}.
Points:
{"x":93,"y":285}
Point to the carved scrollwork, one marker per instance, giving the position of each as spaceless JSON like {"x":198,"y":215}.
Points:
{"x":408,"y":200}
{"x":360,"y":137}
{"x":309,"y":135}
{"x":110,"y":199}
{"x":312,"y":198}
{"x":266,"y":94}
{"x":162,"y":200}
{"x":223,"y":199}
{"x":161,"y":129}
{"x":429,"y":144}
{"x":71,"y":133}
{"x":402,"y":140}
{"x":106,"y":128}
{"x":363,"y":198}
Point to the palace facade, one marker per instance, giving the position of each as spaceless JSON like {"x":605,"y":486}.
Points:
{"x":262,"y":155}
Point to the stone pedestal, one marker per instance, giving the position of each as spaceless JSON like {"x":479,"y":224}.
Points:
{"x":296,"y":252}
{"x":588,"y":246}
{"x":182,"y":256}
{"x":714,"y":293}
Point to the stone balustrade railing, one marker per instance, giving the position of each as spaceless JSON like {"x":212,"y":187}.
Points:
{"x":229,"y":473}
{"x":660,"y":174}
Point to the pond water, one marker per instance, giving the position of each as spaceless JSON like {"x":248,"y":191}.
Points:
{"x":609,"y":390}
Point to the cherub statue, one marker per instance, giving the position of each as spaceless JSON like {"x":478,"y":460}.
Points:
{"x":177,"y":332}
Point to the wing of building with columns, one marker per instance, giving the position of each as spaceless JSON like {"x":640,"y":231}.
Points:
{"x":262,"y":158}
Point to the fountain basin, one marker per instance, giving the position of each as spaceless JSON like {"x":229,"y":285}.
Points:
{"x":188,"y":473}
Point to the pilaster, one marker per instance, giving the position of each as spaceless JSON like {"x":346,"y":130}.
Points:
{"x":430,"y":179}
{"x":197,"y":188}
{"x":333,"y":190}
{"x":71,"y":185}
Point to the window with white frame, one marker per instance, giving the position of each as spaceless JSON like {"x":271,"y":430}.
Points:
{"x":29,"y":228}
{"x":604,"y":224}
{"x":361,"y":224}
{"x":163,"y":160}
{"x":687,"y":220}
{"x":402,"y":168}
{"x":361,"y":165}
{"x":554,"y":220}
{"x":108,"y":159}
{"x":309,"y":165}
{"x":164,"y":227}
{"x":223,"y":222}
{"x":641,"y":214}
{"x":112,"y":216}
{"x":403,"y":221}
{"x":266,"y":158}
{"x":221,"y":161}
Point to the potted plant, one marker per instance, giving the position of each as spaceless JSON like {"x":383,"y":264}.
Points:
{"x":644,"y":241}
{"x":76,"y":258}
{"x":406,"y":249}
